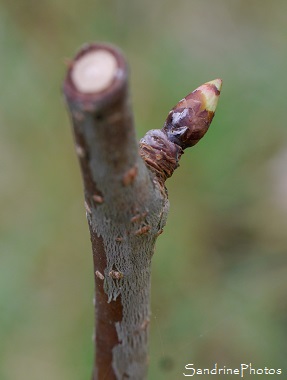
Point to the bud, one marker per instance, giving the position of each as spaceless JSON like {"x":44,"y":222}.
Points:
{"x":190,"y":119}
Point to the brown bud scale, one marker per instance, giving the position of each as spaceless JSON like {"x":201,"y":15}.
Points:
{"x":159,"y":153}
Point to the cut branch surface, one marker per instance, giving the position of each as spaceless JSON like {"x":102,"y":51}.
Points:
{"x":94,"y":72}
{"x":125,"y":197}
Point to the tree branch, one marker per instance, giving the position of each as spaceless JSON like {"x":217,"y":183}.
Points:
{"x":125,"y":197}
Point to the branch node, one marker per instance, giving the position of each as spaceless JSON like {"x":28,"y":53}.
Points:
{"x":98,"y":198}
{"x":130,"y":176}
{"x":99,"y":275}
{"x":116,"y":275}
{"x":80,"y":151}
{"x":145,"y":324}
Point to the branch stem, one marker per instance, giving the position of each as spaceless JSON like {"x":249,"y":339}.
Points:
{"x":126,"y":209}
{"x":125,"y":197}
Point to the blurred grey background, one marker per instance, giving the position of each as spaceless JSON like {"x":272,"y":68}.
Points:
{"x":219,"y":286}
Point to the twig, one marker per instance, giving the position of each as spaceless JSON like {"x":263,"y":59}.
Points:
{"x":125,"y":197}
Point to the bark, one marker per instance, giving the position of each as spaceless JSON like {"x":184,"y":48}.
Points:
{"x":125,"y":197}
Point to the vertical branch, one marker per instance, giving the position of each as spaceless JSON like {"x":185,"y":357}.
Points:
{"x":125,"y":197}
{"x":125,"y":209}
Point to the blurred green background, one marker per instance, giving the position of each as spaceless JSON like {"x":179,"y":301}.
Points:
{"x":219,"y":286}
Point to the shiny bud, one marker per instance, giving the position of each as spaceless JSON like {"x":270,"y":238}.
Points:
{"x":190,"y":119}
